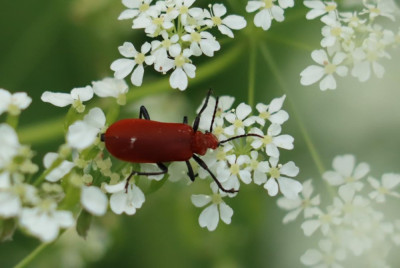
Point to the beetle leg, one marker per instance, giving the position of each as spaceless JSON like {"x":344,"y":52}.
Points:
{"x":164,"y":169}
{"x":190,"y":173}
{"x":204,"y":165}
{"x":197,"y":119}
{"x":144,"y":113}
{"x":185,"y":120}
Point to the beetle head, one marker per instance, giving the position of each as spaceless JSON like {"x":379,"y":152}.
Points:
{"x":204,"y":141}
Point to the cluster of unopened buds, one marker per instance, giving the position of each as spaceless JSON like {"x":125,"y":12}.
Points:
{"x":353,"y":42}
{"x":358,"y":225}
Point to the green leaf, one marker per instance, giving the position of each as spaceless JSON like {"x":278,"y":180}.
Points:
{"x":83,"y":223}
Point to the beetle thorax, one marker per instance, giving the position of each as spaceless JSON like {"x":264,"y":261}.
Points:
{"x":203,"y":141}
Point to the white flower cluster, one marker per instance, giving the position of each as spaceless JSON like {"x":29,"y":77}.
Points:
{"x":353,"y":42}
{"x":245,"y":160}
{"x":356,"y":228}
{"x":267,"y":11}
{"x":182,"y":32}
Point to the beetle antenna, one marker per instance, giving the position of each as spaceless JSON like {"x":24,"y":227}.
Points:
{"x":241,"y":136}
{"x":197,"y":119}
{"x":215,"y":112}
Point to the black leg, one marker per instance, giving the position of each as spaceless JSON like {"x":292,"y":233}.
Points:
{"x":191,"y":174}
{"x":204,"y":165}
{"x":197,"y":119}
{"x":185,"y":120}
{"x":143,"y":113}
{"x":164,"y":169}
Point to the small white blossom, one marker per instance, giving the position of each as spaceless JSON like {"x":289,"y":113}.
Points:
{"x":58,"y":172}
{"x":272,"y":112}
{"x":272,"y":141}
{"x":224,"y":25}
{"x":201,"y":43}
{"x":122,"y":201}
{"x":45,"y":221}
{"x":389,"y":181}
{"x":268,"y":11}
{"x":239,"y":120}
{"x":319,"y":8}
{"x":259,"y":168}
{"x":210,"y":216}
{"x":111,"y":87}
{"x":379,"y":8}
{"x":94,"y":200}
{"x":82,"y":134}
{"x":327,"y":257}
{"x":123,"y":67}
{"x":10,"y":204}
{"x":290,"y":188}
{"x":324,"y":221}
{"x":346,"y":173}
{"x":9,"y":144}
{"x":235,"y":170}
{"x":304,"y":202}
{"x":135,"y":8}
{"x":314,"y":73}
{"x":183,"y":68}
{"x":76,"y":97}
{"x":334,"y":31}
{"x":13,"y":103}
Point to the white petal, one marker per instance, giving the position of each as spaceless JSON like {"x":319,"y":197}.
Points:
{"x":309,"y":227}
{"x":57,"y":99}
{"x":311,"y":257}
{"x":311,"y":74}
{"x":344,"y":164}
{"x":82,"y":93}
{"x":263,"y":19}
{"x":115,"y":188}
{"x":225,"y":30}
{"x":234,"y":22}
{"x":390,"y":180}
{"x":361,"y":170}
{"x":122,"y":67}
{"x":10,"y":205}
{"x":272,"y":187}
{"x":200,"y":200}
{"x":137,"y":75}
{"x":219,"y":10}
{"x":178,"y":79}
{"x":118,"y":203}
{"x":81,"y":135}
{"x":209,"y":217}
{"x":328,"y":82}
{"x":226,"y":213}
{"x":290,"y":169}
{"x":289,"y":188}
{"x":94,"y":200}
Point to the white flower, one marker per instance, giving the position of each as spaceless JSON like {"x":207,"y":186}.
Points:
{"x":123,"y":67}
{"x":183,"y":68}
{"x":272,"y":112}
{"x":13,"y":103}
{"x":268,"y":11}
{"x":94,"y":200}
{"x":160,"y":50}
{"x":230,"y":175}
{"x":324,"y":221}
{"x":259,"y":168}
{"x":58,"y":172}
{"x":319,"y":8}
{"x":76,"y":97}
{"x":224,"y":104}
{"x":389,"y":181}
{"x":153,"y":23}
{"x":380,"y":8}
{"x":82,"y":134}
{"x":272,"y":141}
{"x":304,"y":202}
{"x":314,"y":73}
{"x":125,"y":202}
{"x":201,"y":43}
{"x":9,"y":144}
{"x":135,"y":8}
{"x":45,"y":221}
{"x":346,"y":173}
{"x":10,"y":204}
{"x":111,"y":87}
{"x":239,"y":120}
{"x":288,"y":187}
{"x":334,"y":31}
{"x":210,"y":216}
{"x":224,"y":25}
{"x":328,"y":257}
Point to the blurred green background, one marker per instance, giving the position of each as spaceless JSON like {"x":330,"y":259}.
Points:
{"x":58,"y":45}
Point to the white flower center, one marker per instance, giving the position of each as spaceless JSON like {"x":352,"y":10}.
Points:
{"x":218,"y":130}
{"x":254,"y":164}
{"x":221,"y":155}
{"x":235,"y":169}
{"x":183,"y":10}
{"x":13,"y":109}
{"x":158,"y":21}
{"x":140,"y":57}
{"x":382,"y":190}
{"x":325,"y":218}
{"x":275,"y":173}
{"x":336,"y":31}
{"x":267,"y":139}
{"x":238,"y":123}
{"x":166,"y":43}
{"x":330,"y":68}
{"x":217,"y":20}
{"x":264,"y":115}
{"x":144,"y":7}
{"x":179,"y":60}
{"x":268,"y":4}
{"x":196,"y":37}
{"x":216,"y":199}
{"x":349,"y":179}
{"x":78,"y":105}
{"x":372,"y":56}
{"x":330,"y":8}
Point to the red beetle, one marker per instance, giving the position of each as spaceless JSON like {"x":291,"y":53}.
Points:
{"x":147,"y":141}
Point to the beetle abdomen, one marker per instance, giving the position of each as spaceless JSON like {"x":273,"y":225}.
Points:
{"x":147,"y":141}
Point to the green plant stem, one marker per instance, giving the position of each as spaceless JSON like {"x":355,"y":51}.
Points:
{"x":28,"y":259}
{"x":44,"y":131}
{"x":252,"y":73}
{"x":273,"y":67}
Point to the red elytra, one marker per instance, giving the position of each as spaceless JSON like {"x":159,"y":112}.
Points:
{"x":147,"y":141}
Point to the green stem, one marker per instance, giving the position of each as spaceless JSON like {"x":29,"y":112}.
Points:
{"x":252,"y":73}
{"x":28,"y":259}
{"x":313,"y":151}
{"x":12,"y":120}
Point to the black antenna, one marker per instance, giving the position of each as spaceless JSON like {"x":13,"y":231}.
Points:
{"x":197,"y":119}
{"x":215,"y":112}
{"x":241,"y":136}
